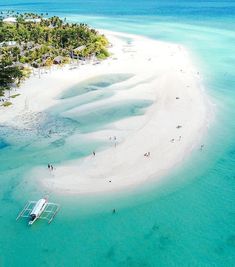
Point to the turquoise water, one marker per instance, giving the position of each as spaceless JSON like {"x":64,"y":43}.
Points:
{"x":188,"y":221}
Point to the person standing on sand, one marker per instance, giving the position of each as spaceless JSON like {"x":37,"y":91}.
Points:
{"x":93,"y":153}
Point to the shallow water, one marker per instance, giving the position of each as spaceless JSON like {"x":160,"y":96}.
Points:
{"x":190,"y":220}
{"x":101,"y":82}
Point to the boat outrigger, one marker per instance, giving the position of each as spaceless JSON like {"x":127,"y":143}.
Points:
{"x":41,"y":209}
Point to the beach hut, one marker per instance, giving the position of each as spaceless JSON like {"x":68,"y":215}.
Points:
{"x":79,"y":49}
{"x":37,"y":46}
{"x":18,"y":64}
{"x":75,"y":52}
{"x":58,"y":60}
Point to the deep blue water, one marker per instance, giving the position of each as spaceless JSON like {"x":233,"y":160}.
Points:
{"x":190,"y":221}
{"x":194,"y":9}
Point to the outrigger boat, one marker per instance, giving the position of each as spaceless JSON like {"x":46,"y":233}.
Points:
{"x":41,"y":209}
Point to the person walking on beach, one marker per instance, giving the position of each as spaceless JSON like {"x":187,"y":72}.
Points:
{"x":93,"y":153}
{"x":147,"y":154}
{"x":50,"y":167}
{"x":115,"y":143}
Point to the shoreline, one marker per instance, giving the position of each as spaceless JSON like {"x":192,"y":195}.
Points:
{"x":169,"y":129}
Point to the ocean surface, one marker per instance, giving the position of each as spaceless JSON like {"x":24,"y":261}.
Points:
{"x":187,"y":221}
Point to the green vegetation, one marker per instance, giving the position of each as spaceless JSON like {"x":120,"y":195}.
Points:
{"x":9,"y":74}
{"x":31,"y":41}
{"x":14,"y":96}
{"x":7,"y":104}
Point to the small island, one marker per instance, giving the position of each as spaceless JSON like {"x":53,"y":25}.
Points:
{"x":29,"y":42}
{"x":126,"y":114}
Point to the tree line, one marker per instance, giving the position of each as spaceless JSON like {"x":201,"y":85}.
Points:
{"x":33,"y":41}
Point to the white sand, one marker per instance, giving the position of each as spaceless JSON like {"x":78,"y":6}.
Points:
{"x":163,"y":72}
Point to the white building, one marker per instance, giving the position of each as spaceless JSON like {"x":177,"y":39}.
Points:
{"x":33,"y":20}
{"x":9,"y":20}
{"x":8,"y":43}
